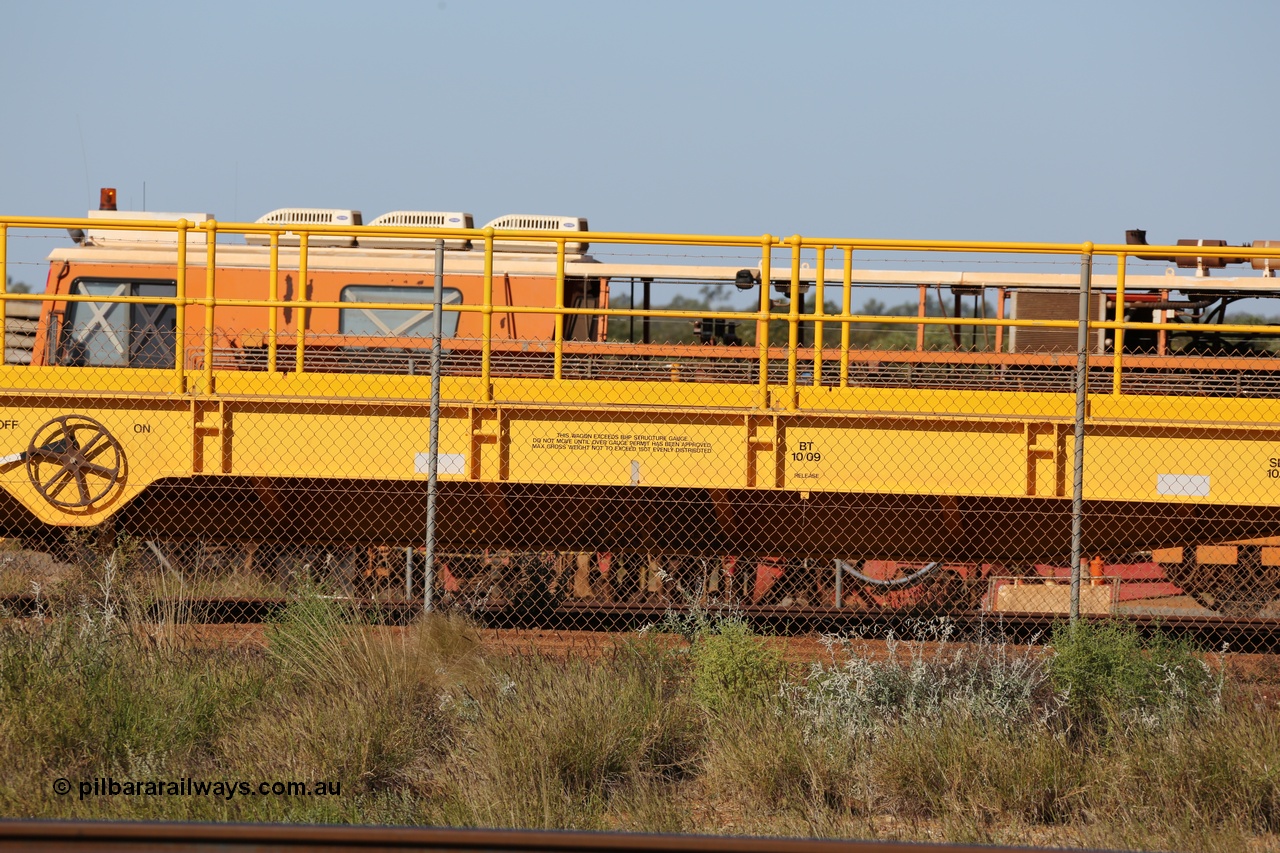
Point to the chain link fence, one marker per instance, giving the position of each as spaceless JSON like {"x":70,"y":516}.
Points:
{"x":820,"y":435}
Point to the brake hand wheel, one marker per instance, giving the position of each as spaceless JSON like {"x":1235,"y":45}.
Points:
{"x":74,"y":462}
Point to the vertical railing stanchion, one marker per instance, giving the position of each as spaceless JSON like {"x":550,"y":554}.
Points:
{"x":433,"y":441}
{"x":273,"y":296}
{"x":762,"y":324}
{"x":793,"y":322}
{"x":300,"y":318}
{"x":846,"y":308}
{"x":4,"y":290}
{"x":1116,"y":366}
{"x":922,"y":310}
{"x":559,"y":342}
{"x":180,"y":312}
{"x":1000,"y":296}
{"x":486,"y":345}
{"x":819,"y":310}
{"x":210,"y":299}
{"x":1082,"y":399}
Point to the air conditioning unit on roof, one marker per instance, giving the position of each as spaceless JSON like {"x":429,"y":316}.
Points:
{"x":306,"y":216}
{"x":531,"y":222}
{"x":418,"y":219}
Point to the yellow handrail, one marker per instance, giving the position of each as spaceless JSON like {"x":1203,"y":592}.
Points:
{"x":300,"y":301}
{"x":641,"y":238}
{"x":762,"y":322}
{"x":558,"y":370}
{"x":273,"y":289}
{"x":486,"y":354}
{"x":793,"y":323}
{"x":819,"y":310}
{"x":180,"y":313}
{"x":1118,"y":346}
{"x":4,"y":289}
{"x":211,"y":251}
{"x":762,"y":317}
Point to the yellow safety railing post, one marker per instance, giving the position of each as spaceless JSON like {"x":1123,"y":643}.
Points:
{"x":180,"y":312}
{"x":559,"y":356}
{"x":846,"y":308}
{"x":273,"y":296}
{"x":4,"y":289}
{"x":1119,"y":336}
{"x":1000,"y":299}
{"x":210,"y":264}
{"x":300,"y":318}
{"x":486,"y":345}
{"x":793,"y":322}
{"x":762,"y":324}
{"x":819,"y":311}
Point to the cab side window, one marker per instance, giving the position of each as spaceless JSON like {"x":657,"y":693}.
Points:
{"x":112,"y":334}
{"x":391,"y":322}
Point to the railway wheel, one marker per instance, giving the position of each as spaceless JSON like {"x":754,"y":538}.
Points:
{"x":1240,"y":589}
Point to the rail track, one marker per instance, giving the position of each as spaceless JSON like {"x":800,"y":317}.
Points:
{"x":77,"y":836}
{"x":1256,"y":635}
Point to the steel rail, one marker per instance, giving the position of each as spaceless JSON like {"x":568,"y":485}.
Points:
{"x":110,"y":835}
{"x":1251,"y":634}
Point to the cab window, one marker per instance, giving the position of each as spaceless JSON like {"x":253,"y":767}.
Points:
{"x":392,"y":322}
{"x":112,"y":334}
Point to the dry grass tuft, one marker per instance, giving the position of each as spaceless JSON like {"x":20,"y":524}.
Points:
{"x":1106,"y":741}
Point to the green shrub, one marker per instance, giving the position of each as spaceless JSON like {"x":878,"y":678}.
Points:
{"x":987,"y":680}
{"x":1108,"y":672}
{"x":732,"y":665}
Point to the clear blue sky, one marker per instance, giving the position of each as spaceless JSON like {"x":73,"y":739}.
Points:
{"x":1019,"y":120}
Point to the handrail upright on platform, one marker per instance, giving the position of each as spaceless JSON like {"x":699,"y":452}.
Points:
{"x":1118,"y":346}
{"x":486,"y":344}
{"x":846,"y":310}
{"x":559,"y":342}
{"x":210,"y":265}
{"x":762,"y":324}
{"x":273,"y":295}
{"x":819,"y":311}
{"x":4,"y":290}
{"x":300,"y":321}
{"x":180,"y":312}
{"x":793,"y":323}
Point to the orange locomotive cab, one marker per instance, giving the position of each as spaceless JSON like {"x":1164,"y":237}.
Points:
{"x":345,"y":308}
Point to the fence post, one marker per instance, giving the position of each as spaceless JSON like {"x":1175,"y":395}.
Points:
{"x":433,"y":448}
{"x":1082,"y":391}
